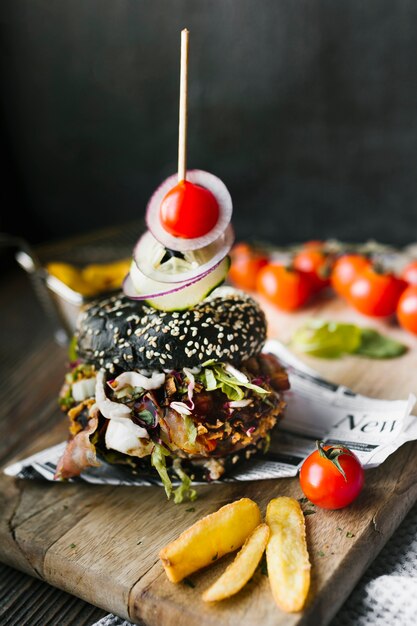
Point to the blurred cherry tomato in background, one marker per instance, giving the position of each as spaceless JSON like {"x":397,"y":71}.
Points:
{"x":285,"y":287}
{"x":407,"y":309}
{"x":246,"y":264}
{"x":409,"y":273}
{"x":316,"y":263}
{"x":332,"y":476}
{"x":374,"y":293}
{"x":345,"y":270}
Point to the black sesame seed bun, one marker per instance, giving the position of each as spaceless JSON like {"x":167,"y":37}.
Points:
{"x":122,"y":334}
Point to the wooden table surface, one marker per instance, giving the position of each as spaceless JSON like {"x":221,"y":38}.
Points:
{"x":29,"y":356}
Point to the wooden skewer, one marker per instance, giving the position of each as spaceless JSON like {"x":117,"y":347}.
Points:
{"x":182,"y":134}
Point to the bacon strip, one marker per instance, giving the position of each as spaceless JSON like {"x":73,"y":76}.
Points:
{"x":80,"y":453}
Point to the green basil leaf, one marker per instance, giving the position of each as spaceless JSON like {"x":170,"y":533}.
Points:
{"x":333,"y":339}
{"x":327,"y":339}
{"x":377,"y":346}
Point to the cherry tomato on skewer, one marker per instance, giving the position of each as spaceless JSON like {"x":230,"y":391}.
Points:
{"x":189,"y":210}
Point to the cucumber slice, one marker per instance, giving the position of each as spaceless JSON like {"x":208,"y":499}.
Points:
{"x":191,"y":295}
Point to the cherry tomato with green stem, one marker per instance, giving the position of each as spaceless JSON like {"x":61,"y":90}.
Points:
{"x":316,"y":263}
{"x":246,"y":265}
{"x":332,"y":476}
{"x":409,"y":273}
{"x":345,"y":270}
{"x":286,"y":287}
{"x":407,"y":309}
{"x":375,"y":293}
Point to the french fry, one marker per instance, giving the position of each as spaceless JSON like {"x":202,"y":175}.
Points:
{"x":243,"y":567}
{"x":210,"y":538}
{"x":286,"y":554}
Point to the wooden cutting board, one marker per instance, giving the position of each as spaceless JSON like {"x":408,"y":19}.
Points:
{"x":101,"y":543}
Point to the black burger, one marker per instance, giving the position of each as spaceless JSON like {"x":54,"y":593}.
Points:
{"x":174,"y":389}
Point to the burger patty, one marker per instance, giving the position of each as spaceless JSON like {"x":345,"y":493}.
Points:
{"x":215,"y":427}
{"x":221,"y":428}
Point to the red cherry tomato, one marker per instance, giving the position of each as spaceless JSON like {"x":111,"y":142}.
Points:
{"x":287,"y":288}
{"x":314,"y":262}
{"x":409,"y":273}
{"x":375,"y":294}
{"x":345,"y":270}
{"x":332,"y":476}
{"x":246,"y":264}
{"x":189,"y":211}
{"x":407,"y":309}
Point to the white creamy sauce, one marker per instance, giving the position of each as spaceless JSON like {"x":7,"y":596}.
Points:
{"x":83,"y":389}
{"x":110,"y":410}
{"x":135,"y":379}
{"x":181,"y":408}
{"x":124,"y":436}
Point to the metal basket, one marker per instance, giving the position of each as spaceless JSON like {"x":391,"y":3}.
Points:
{"x":61,"y":303}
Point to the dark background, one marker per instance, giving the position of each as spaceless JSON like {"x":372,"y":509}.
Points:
{"x":307,"y":109}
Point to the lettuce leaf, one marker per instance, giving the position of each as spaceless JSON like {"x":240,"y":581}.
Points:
{"x":211,"y":382}
{"x":190,"y":428}
{"x":184,"y":491}
{"x":158,"y":461}
{"x":216,"y":377}
{"x":72,"y":350}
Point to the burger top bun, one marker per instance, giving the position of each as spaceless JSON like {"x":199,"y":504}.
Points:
{"x":122,"y":334}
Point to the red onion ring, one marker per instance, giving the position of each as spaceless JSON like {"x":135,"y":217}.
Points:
{"x":198,"y":177}
{"x":130,"y":290}
{"x":142,"y":255}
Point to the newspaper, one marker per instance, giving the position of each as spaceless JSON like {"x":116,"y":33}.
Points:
{"x":316,"y":410}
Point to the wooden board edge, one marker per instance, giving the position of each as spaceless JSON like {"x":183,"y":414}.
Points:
{"x":11,"y":553}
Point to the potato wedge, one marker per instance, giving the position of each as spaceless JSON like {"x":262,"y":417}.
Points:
{"x":287,"y":555}
{"x":104,"y":277}
{"x":243,"y":567}
{"x":70,"y":276}
{"x":210,"y":538}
